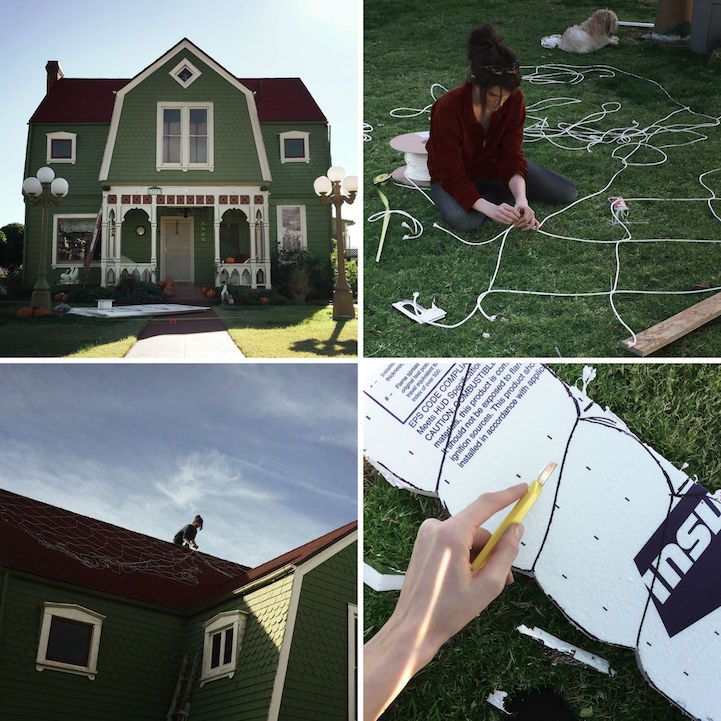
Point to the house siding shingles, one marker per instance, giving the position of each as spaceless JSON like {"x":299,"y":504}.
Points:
{"x":235,"y":154}
{"x":138,"y":661}
{"x":84,"y":196}
{"x":317,"y":676}
{"x":246,"y":696}
{"x":293,"y":183}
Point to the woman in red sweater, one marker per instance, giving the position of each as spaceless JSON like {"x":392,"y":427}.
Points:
{"x":475,"y":153}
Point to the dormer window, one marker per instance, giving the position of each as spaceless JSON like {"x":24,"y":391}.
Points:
{"x":185,"y":73}
{"x":294,"y":147}
{"x":61,"y":147}
{"x":222,"y":638}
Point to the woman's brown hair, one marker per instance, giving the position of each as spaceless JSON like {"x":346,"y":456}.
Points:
{"x":493,"y":63}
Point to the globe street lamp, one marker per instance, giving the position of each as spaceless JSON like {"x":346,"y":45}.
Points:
{"x":43,"y":190}
{"x":329,"y":189}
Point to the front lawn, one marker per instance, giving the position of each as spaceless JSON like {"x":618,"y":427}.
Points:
{"x":68,"y":336}
{"x":289,"y":331}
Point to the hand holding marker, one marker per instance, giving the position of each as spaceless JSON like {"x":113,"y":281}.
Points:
{"x":515,"y":516}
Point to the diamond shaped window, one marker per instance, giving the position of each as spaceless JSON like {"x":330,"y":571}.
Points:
{"x":185,"y":73}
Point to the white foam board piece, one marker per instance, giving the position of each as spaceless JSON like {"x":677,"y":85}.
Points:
{"x":625,"y":543}
{"x":585,"y":657}
{"x":134,"y":311}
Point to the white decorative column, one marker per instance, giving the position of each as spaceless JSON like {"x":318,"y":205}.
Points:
{"x":154,"y":240}
{"x":104,"y":241}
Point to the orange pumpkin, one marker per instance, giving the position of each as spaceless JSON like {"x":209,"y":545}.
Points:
{"x":161,"y":284}
{"x":41,"y":312}
{"x":230,"y":259}
{"x":210,"y":293}
{"x":169,"y":281}
{"x":203,"y":290}
{"x":25,"y":312}
{"x":168,"y":291}
{"x":60,"y":297}
{"x":264,"y":299}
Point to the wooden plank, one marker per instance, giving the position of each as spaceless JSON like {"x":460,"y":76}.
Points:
{"x":673,"y":328}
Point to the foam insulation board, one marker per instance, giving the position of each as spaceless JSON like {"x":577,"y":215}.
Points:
{"x":135,"y":311}
{"x":626,"y":544}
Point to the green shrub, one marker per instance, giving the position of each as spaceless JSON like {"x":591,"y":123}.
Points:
{"x":285,"y":264}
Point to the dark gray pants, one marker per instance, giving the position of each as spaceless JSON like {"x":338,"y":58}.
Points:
{"x":541,"y":185}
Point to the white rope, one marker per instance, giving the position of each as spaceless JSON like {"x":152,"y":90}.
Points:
{"x":101,"y":546}
{"x":585,"y":134}
{"x":367,"y":130}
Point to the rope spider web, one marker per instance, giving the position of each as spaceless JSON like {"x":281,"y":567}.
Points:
{"x":102,"y":546}
{"x":633,"y":145}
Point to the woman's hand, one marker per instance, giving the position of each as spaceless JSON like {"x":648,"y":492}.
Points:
{"x":527,"y":219}
{"x":441,"y":594}
{"x":504,"y":214}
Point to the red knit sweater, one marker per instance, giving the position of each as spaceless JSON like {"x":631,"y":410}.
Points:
{"x":459,"y":151}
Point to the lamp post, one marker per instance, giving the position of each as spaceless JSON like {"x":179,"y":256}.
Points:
{"x":44,"y":189}
{"x":329,"y":189}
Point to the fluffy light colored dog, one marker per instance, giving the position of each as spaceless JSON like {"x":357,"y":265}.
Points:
{"x":594,"y":34}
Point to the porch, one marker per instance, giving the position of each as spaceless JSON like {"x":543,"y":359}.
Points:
{"x":151,"y":234}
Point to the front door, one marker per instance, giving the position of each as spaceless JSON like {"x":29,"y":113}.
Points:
{"x":176,"y":237}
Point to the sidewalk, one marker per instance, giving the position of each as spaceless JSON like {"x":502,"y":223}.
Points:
{"x":200,"y":336}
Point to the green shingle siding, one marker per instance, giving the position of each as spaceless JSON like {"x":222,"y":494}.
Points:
{"x":134,"y":156}
{"x":138,"y":660}
{"x":84,"y":196}
{"x":317,"y":676}
{"x":246,"y":696}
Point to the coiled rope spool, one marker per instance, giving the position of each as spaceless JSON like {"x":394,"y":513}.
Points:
{"x":413,"y":147}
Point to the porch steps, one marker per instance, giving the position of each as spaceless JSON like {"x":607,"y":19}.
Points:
{"x":190,"y":294}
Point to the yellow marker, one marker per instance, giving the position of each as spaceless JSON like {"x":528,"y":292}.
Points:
{"x":515,"y":516}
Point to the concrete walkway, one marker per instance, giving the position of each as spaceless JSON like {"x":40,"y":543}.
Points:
{"x":196,"y":336}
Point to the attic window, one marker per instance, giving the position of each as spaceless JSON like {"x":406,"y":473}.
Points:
{"x":294,"y":147}
{"x":69,"y":639}
{"x":222,"y":638}
{"x":60,"y":147}
{"x":185,"y":73}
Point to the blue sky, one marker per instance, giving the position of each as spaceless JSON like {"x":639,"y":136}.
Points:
{"x":316,"y":40}
{"x":266,"y":453}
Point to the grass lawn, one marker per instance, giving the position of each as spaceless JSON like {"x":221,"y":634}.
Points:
{"x":671,"y":407}
{"x":66,"y":336}
{"x":412,"y":44}
{"x":290,"y":331}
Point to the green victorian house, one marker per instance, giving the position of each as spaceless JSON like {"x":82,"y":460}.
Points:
{"x":99,"y":623}
{"x":185,"y":170}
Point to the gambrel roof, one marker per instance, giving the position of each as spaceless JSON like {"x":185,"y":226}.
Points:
{"x":60,"y":545}
{"x":90,"y":100}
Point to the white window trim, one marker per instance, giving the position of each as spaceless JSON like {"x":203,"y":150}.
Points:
{"x":352,"y":667}
{"x":185,"y":63}
{"x":73,"y":613}
{"x":220,"y":623}
{"x":61,"y":135}
{"x":184,"y":163}
{"x":279,"y":224}
{"x":69,"y":263}
{"x":294,"y":135}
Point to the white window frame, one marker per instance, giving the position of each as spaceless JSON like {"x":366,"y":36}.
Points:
{"x":220,"y":623}
{"x":185,"y":63}
{"x":352,"y":661}
{"x":61,"y":135}
{"x":295,"y":135}
{"x":279,"y":225}
{"x":184,"y":163}
{"x":71,"y":612}
{"x":70,"y":263}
